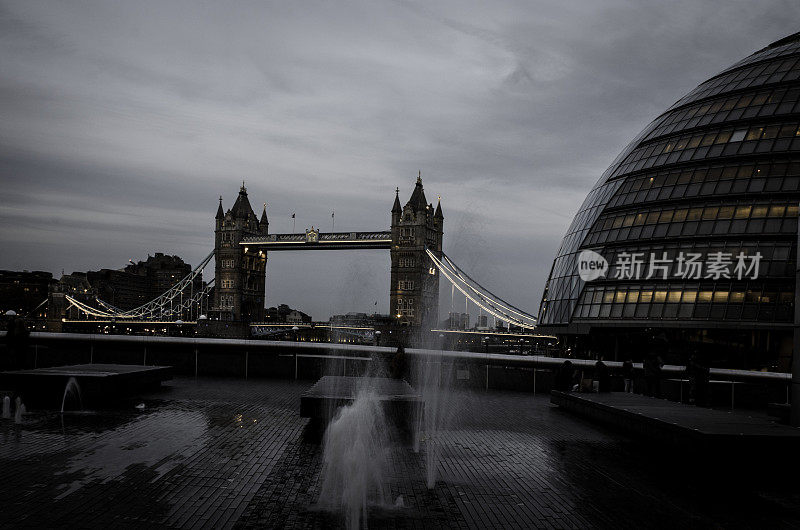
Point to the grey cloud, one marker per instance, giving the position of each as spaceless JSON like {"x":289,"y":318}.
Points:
{"x":123,"y":122}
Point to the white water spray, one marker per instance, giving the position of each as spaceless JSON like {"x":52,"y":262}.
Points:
{"x":72,"y":390}
{"x":434,"y":380}
{"x":20,"y":410}
{"x":355,"y":459}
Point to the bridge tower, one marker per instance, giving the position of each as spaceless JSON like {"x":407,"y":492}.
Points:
{"x":239,"y":290}
{"x":414,"y":289}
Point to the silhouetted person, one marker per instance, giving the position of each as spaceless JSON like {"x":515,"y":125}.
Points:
{"x":602,"y":376}
{"x":627,"y":375}
{"x":652,"y":375}
{"x":565,"y":376}
{"x":698,"y":374}
{"x":397,"y":367}
{"x":17,"y":342}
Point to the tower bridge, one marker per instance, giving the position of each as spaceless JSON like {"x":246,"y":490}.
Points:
{"x":233,"y":302}
{"x":243,"y":244}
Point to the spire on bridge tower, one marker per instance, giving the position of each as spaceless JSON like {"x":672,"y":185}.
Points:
{"x":438,"y":214}
{"x":417,"y":200}
{"x":220,"y":213}
{"x":264,"y":222}
{"x":396,"y":208}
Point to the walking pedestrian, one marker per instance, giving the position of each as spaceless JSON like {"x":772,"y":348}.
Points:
{"x":627,"y":375}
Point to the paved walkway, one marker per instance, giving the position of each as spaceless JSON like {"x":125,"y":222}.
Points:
{"x":224,"y":453}
{"x":657,"y":418}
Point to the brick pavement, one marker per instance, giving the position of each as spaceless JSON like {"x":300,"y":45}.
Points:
{"x":195,"y":458}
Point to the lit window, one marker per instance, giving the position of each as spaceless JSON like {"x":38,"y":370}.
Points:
{"x":754,"y":133}
{"x":737,"y":136}
{"x":776,"y":211}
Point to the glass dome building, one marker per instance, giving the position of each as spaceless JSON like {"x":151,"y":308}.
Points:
{"x":690,"y":236}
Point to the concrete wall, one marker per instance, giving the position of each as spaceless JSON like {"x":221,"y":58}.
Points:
{"x":309,"y":361}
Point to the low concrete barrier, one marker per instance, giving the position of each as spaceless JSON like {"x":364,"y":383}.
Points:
{"x":196,"y":356}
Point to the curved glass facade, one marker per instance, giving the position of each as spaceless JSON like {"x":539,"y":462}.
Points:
{"x":697,"y":217}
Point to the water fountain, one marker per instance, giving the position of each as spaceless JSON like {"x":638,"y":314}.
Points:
{"x":6,"y":407}
{"x":73,"y":391}
{"x":355,"y":458}
{"x":20,"y":410}
{"x":367,"y":417}
{"x":433,"y":382}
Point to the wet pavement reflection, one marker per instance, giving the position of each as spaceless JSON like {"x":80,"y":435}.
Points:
{"x":222,"y":453}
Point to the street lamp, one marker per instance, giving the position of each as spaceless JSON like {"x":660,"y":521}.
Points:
{"x":377,"y":338}
{"x":295,"y":329}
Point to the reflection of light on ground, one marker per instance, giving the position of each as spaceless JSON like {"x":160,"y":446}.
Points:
{"x":158,"y":438}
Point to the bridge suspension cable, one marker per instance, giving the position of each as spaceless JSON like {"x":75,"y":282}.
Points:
{"x":485,"y":293}
{"x":480,"y":296}
{"x":173,"y":303}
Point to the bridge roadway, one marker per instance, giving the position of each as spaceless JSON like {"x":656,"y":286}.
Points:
{"x":321,"y":241}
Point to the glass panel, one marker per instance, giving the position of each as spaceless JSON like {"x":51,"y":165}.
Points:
{"x":776,"y":211}
{"x":753,"y":134}
{"x":725,"y":212}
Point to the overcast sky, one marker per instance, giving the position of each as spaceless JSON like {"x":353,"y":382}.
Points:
{"x":122,"y":122}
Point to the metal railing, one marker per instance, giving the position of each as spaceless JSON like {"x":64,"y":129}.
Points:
{"x":323,"y":348}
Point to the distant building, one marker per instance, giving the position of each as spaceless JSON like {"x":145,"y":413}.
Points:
{"x":162,"y":272}
{"x":283,"y":314}
{"x":353,"y":319}
{"x":687,"y":243}
{"x":121,"y":289}
{"x":458,"y":321}
{"x":23,"y":292}
{"x":297,"y":317}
